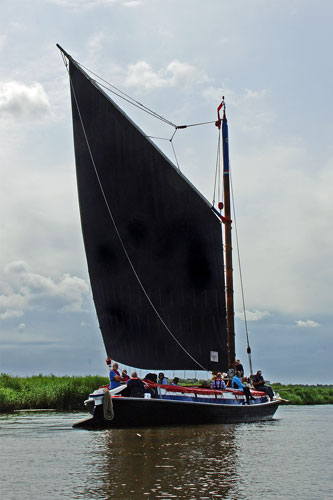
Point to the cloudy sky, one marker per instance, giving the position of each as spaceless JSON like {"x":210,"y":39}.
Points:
{"x":272,"y":59}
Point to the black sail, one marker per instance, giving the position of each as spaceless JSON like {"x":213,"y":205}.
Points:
{"x":147,"y":231}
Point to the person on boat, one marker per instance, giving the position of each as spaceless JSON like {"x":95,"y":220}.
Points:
{"x":175,"y":381}
{"x":239,"y":368}
{"x":124,"y":375}
{"x":115,"y":377}
{"x":259,"y":385}
{"x":218,"y":383}
{"x":237,"y":384}
{"x":162,"y":379}
{"x":135,"y":386}
{"x":152,"y":377}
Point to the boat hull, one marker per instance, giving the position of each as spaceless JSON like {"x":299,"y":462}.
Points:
{"x":141,"y":412}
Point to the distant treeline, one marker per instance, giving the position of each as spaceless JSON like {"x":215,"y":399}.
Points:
{"x":69,"y":393}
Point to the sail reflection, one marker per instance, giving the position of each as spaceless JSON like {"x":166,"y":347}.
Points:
{"x":182,"y":463}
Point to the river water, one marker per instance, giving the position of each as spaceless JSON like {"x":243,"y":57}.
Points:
{"x":290,"y":457}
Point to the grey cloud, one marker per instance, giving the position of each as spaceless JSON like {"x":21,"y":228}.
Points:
{"x":18,"y":100}
{"x":88,"y":4}
{"x":27,"y":290}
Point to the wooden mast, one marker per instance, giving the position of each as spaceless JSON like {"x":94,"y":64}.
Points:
{"x":228,"y":246}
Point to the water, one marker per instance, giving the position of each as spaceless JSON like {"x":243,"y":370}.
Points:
{"x":42,"y":457}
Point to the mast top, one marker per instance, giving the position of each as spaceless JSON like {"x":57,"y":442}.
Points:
{"x":64,"y":52}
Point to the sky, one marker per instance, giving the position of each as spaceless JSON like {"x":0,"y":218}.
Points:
{"x":272,"y":60}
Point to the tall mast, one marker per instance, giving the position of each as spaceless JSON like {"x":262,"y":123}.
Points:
{"x":228,"y":246}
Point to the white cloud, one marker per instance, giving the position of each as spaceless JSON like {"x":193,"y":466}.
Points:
{"x":307,"y":323}
{"x":95,"y":46}
{"x":176,"y":73}
{"x":21,"y":327}
{"x":10,"y":313}
{"x":254,"y":315}
{"x":27,"y":290}
{"x":22,"y":101}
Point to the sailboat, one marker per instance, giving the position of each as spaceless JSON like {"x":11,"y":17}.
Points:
{"x":155,"y":259}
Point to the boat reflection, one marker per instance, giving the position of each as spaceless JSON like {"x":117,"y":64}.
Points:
{"x":182,"y":463}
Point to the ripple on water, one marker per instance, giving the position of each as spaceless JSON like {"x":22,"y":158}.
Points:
{"x":41,"y":456}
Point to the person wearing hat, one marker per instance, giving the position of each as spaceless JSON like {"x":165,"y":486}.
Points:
{"x":239,"y":368}
{"x":259,"y":385}
{"x":218,"y":383}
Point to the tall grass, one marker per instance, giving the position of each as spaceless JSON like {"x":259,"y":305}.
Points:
{"x":47,"y":392}
{"x":305,"y":394}
{"x":69,"y":393}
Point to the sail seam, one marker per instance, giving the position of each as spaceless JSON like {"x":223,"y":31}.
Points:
{"x":121,"y":241}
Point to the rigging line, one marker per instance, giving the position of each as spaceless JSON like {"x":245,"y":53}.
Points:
{"x":131,"y":99}
{"x":240,"y":275}
{"x":174,"y":152}
{"x":217,"y":166}
{"x":196,"y":124}
{"x":160,"y":138}
{"x":173,"y":135}
{"x":142,"y":108}
{"x":121,"y":241}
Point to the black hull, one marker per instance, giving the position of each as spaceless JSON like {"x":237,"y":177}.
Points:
{"x":135,"y":412}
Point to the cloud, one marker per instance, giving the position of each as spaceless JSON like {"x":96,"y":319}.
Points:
{"x":254,"y":315}
{"x":95,"y":45}
{"x":176,"y":73}
{"x":3,"y":39}
{"x":27,"y":290}
{"x":88,"y":4}
{"x":307,"y":323}
{"x":235,"y":98}
{"x":18,"y":100}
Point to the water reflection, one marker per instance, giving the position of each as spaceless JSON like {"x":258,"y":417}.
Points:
{"x":42,"y":457}
{"x":182,"y":463}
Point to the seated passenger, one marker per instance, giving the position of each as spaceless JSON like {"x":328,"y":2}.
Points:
{"x":237,"y":384}
{"x":218,"y":383}
{"x":115,"y":377}
{"x":152,"y":377}
{"x":162,"y":379}
{"x":135,"y":387}
{"x":175,"y":381}
{"x":124,"y":375}
{"x":259,"y":385}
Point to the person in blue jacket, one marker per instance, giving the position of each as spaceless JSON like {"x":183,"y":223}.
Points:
{"x":237,"y":384}
{"x":115,"y":377}
{"x":162,"y":379}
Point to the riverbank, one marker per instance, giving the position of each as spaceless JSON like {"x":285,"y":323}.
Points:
{"x":305,"y":394}
{"x":69,"y":393}
{"x":47,"y":392}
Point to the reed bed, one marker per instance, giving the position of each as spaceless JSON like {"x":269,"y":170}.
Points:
{"x":69,"y":393}
{"x":305,"y":394}
{"x":46,"y":392}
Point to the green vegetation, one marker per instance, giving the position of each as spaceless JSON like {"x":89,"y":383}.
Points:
{"x":69,"y":393}
{"x":305,"y":394}
{"x":47,"y":392}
